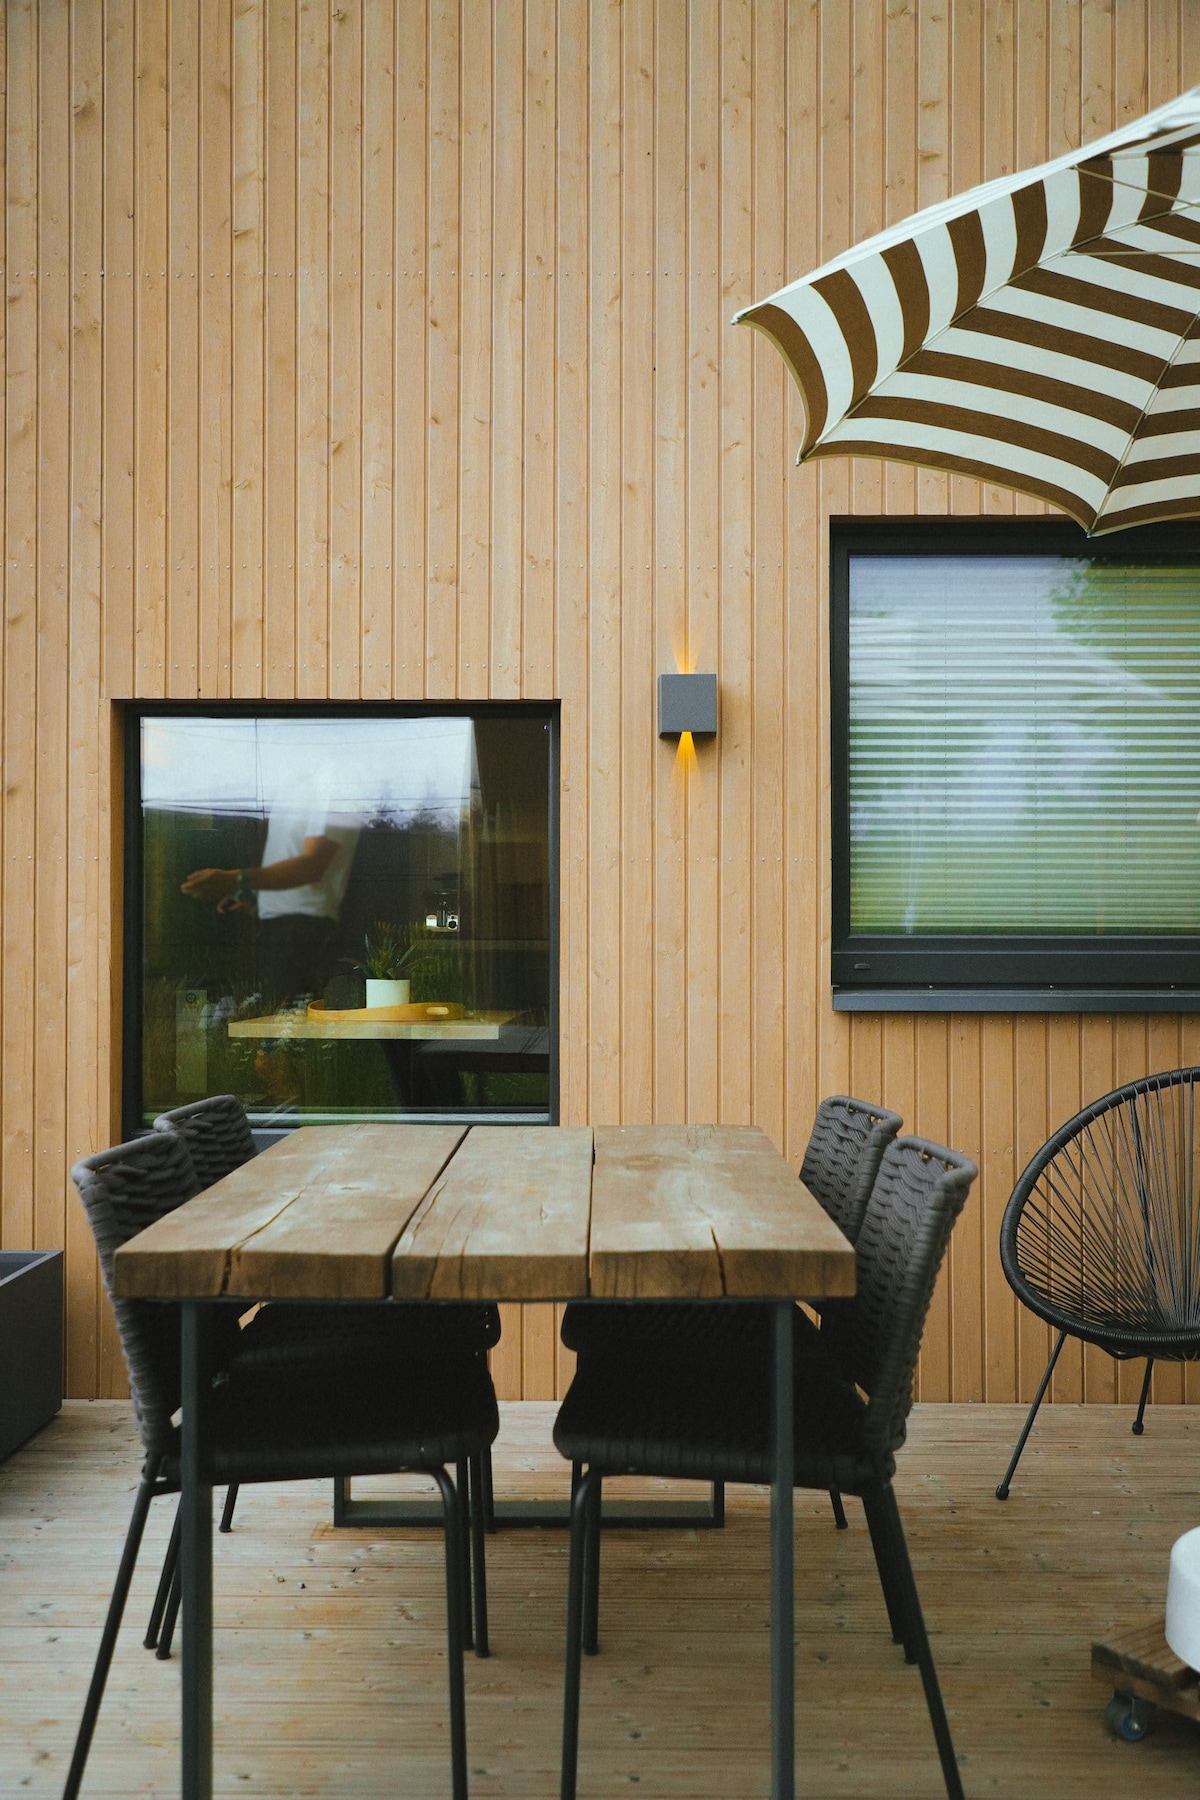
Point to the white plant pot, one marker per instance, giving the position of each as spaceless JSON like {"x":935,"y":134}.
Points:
{"x":387,"y":993}
{"x":1183,"y":1599}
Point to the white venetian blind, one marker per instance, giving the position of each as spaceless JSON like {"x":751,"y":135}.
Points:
{"x":1024,"y":745}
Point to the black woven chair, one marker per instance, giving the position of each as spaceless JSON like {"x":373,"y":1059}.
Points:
{"x":847,"y":1141}
{"x":1101,"y":1237}
{"x":707,"y":1416}
{"x":217,"y":1134}
{"x":219,"y":1139}
{"x":374,"y":1414}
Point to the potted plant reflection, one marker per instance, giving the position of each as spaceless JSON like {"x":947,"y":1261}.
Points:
{"x":388,"y":950}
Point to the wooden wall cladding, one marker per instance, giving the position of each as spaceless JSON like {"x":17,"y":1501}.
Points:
{"x":362,"y":349}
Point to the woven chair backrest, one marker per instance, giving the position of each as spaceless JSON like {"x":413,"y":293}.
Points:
{"x":216,"y":1132}
{"x":124,"y":1190}
{"x":1102,"y":1233}
{"x":844,"y":1151}
{"x":874,"y":1339}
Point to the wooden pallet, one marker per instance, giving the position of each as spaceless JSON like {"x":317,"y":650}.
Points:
{"x":1140,"y":1662}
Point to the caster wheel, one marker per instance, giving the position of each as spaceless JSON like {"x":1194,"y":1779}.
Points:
{"x":1128,"y":1718}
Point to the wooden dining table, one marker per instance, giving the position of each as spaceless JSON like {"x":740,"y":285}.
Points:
{"x":376,"y":1213}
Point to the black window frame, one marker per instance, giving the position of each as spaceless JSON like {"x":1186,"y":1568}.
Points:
{"x":134,"y":711}
{"x":980,"y":973}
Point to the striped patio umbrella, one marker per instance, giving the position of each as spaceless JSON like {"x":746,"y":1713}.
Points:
{"x":1042,"y":330}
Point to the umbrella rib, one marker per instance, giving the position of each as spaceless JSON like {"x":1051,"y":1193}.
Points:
{"x":903,"y":365}
{"x":1144,"y":414}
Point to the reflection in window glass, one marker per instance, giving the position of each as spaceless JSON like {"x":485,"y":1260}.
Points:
{"x":346,"y":917}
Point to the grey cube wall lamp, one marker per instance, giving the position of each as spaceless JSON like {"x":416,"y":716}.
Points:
{"x":687,"y":703}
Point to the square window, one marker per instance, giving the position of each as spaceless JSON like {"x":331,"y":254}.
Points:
{"x":342,"y":914}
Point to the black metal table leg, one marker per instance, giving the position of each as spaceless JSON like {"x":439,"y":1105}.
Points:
{"x":782,"y":1574}
{"x":195,"y":1503}
{"x":650,"y":1514}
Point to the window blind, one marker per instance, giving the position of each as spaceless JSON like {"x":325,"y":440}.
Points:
{"x":1024,"y":744}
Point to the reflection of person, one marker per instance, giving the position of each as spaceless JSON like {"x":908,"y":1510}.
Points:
{"x":298,"y":890}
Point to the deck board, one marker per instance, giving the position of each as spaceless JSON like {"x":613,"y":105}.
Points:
{"x":330,"y":1678}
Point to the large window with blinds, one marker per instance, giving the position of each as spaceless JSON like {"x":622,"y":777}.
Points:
{"x":1016,"y":763}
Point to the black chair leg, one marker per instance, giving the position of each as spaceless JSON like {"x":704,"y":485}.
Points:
{"x":893,"y":1597}
{"x":478,"y":1561}
{"x":576,"y":1582}
{"x":839,"y":1512}
{"x":161,"y":1629}
{"x":489,"y":1498}
{"x":894,"y":1550}
{"x":1139,"y":1422}
{"x":462,"y":1483}
{"x":231,"y":1494}
{"x":154,"y":1625}
{"x":453,"y":1505}
{"x":170,"y":1613}
{"x":1002,"y":1490}
{"x":112,"y":1625}
{"x":591,"y":1590}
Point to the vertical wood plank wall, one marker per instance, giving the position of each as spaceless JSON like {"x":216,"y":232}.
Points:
{"x":368,"y":348}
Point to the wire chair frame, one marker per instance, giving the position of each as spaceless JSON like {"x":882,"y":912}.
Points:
{"x":1101,"y":1236}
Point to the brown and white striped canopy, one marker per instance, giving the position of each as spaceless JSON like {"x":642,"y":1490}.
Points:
{"x":1042,"y":331}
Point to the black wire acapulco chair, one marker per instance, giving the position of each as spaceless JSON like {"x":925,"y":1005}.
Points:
{"x":1101,"y":1237}
{"x":373,"y":1414}
{"x":705,"y":1417}
{"x":844,"y":1150}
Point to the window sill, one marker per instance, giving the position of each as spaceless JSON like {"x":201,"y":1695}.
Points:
{"x":1016,"y":1000}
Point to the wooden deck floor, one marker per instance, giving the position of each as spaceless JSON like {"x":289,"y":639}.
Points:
{"x":330,"y":1659}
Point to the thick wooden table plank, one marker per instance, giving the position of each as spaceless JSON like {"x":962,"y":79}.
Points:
{"x":677,"y":1211}
{"x":507,"y":1219}
{"x":186,"y":1254}
{"x":358,"y":1189}
{"x":696,"y":1211}
{"x":315,"y":1217}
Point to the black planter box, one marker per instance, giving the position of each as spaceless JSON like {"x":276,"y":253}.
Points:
{"x":31,"y":1343}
